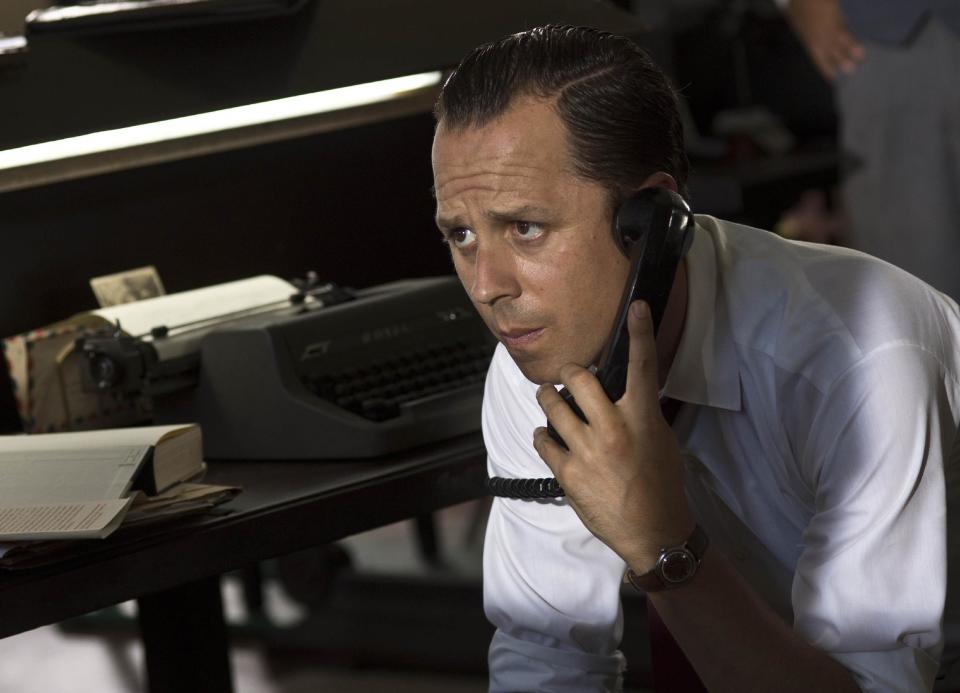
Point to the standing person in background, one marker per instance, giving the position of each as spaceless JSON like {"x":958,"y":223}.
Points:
{"x":894,"y":64}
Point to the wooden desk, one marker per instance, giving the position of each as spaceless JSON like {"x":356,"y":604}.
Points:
{"x":285,"y":507}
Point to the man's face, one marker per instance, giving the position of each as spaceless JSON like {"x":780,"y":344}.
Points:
{"x":531,"y":241}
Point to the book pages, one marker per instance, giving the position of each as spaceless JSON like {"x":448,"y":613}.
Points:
{"x":98,"y":440}
{"x":70,"y":475}
{"x":78,"y":485}
{"x":91,"y":520}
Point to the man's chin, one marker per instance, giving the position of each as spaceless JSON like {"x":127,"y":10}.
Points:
{"x":538,"y":370}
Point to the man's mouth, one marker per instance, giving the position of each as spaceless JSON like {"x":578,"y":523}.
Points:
{"x":520,"y":337}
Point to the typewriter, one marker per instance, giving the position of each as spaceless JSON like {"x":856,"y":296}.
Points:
{"x":327,"y":374}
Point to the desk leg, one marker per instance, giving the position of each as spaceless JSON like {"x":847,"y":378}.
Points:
{"x":427,"y":540}
{"x":185,"y":639}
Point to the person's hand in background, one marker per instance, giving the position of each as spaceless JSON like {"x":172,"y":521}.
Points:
{"x":821,"y":28}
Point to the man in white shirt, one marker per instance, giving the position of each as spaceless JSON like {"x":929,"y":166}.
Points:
{"x":816,"y":441}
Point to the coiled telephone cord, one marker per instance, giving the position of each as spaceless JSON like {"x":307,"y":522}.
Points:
{"x":524,"y":488}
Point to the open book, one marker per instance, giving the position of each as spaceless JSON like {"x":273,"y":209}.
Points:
{"x":81,"y":485}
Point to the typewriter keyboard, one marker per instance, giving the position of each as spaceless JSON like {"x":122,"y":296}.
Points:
{"x":375,"y":391}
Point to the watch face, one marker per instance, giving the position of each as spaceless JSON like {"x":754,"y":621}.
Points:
{"x":678,"y":565}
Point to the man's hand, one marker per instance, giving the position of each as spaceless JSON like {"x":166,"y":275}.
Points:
{"x":622,"y":473}
{"x":820,"y":26}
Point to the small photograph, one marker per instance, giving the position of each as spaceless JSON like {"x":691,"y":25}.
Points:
{"x":127,"y":287}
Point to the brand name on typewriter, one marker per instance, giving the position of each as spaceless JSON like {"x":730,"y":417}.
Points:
{"x":378,"y":334}
{"x":386,"y":332}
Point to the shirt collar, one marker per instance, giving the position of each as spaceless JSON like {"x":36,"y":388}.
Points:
{"x":705,"y":369}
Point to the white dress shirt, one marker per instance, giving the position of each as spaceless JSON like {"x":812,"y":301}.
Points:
{"x":818,"y":445}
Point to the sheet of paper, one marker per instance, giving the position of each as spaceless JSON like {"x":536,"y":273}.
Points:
{"x":67,"y":476}
{"x":208,"y":303}
{"x":95,"y":519}
{"x":184,"y":495}
{"x":179,"y":509}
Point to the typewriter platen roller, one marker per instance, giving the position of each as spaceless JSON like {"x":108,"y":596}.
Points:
{"x":396,"y":366}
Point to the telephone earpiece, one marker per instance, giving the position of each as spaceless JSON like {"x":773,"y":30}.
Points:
{"x":635,"y":215}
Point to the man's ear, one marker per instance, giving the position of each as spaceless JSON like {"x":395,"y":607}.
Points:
{"x":661,"y":179}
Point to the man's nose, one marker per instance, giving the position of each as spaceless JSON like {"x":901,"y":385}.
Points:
{"x":495,"y":275}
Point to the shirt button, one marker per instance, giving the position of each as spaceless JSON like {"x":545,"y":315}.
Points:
{"x":741,"y":554}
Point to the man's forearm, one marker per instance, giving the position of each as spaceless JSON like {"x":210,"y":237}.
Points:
{"x":736,"y":642}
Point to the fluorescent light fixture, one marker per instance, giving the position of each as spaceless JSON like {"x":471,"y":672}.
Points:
{"x":228,"y":119}
{"x":12,"y":45}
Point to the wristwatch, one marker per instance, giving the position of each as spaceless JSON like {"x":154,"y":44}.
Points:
{"x":675,"y":566}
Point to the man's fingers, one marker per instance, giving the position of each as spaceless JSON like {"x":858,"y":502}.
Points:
{"x":550,"y":451}
{"x":558,"y":412}
{"x":587,"y":390}
{"x":642,"y":381}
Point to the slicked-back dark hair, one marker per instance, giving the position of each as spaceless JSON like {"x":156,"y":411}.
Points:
{"x":620,"y":111}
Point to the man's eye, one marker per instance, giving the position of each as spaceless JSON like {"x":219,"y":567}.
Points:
{"x":529,"y":230}
{"x":461,"y":238}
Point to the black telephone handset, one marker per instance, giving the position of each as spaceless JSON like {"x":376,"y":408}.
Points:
{"x":654,"y":229}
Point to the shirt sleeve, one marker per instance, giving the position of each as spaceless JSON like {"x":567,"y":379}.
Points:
{"x":550,"y":587}
{"x":870,"y":584}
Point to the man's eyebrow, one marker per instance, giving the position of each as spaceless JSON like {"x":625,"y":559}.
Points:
{"x":523,"y":212}
{"x":449,"y":222}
